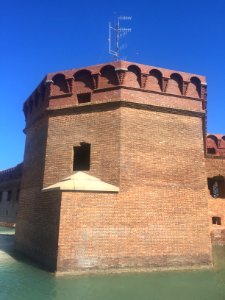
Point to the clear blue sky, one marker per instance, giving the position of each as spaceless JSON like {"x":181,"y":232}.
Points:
{"x":38,"y":37}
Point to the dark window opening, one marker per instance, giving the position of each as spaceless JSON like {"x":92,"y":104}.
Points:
{"x":9,"y":195}
{"x":216,"y":220}
{"x":6,"y":212}
{"x":211,"y":150}
{"x":216,"y":186}
{"x":81,"y":159}
{"x":1,"y":196}
{"x":84,"y":98}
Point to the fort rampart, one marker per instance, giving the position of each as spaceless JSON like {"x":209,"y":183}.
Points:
{"x":139,"y":133}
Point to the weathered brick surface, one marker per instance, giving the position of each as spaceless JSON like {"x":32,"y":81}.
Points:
{"x":38,"y":215}
{"x":146,"y":140}
{"x":10,"y":181}
{"x":63,"y":89}
{"x":216,"y":167}
{"x":159,"y":218}
{"x":99,"y":128}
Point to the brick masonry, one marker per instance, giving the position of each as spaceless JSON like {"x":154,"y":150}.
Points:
{"x":155,"y":220}
{"x":10,"y":181}
{"x":146,"y":128}
{"x":215,"y":166}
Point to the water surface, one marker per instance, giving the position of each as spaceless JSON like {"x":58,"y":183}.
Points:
{"x":20,"y":280}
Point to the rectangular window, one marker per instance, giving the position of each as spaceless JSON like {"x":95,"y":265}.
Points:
{"x":1,"y":196}
{"x":81,"y":159}
{"x":216,"y":186}
{"x":84,"y":98}
{"x":216,"y":220}
{"x":211,"y":150}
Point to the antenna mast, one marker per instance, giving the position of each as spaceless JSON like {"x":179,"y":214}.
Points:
{"x":116,"y":33}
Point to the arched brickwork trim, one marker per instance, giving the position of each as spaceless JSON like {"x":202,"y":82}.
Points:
{"x":212,"y":139}
{"x":108,"y":72}
{"x":60,"y":84}
{"x":58,"y":78}
{"x":222,"y":143}
{"x":106,"y":69}
{"x":177,"y":77}
{"x":85,"y":77}
{"x":137,"y":71}
{"x":158,"y":75}
{"x":197,"y":82}
{"x":176,"y":81}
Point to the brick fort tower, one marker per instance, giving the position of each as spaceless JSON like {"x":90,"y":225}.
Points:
{"x":113,"y":173}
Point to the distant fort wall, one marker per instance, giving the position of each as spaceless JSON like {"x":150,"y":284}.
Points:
{"x":10,"y":181}
{"x":215,"y":172}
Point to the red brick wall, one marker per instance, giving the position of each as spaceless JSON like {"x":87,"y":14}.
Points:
{"x":10,"y":180}
{"x":8,"y":209}
{"x":100,"y":128}
{"x":151,"y":147}
{"x":38,"y":215}
{"x":159,"y":217}
{"x":216,"y":167}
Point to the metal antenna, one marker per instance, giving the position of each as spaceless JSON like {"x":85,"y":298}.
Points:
{"x":116,"y":33}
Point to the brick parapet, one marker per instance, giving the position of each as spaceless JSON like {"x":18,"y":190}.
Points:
{"x":10,"y":182}
{"x":122,"y":66}
{"x":215,"y":144}
{"x":108,"y":81}
{"x":11,"y":173}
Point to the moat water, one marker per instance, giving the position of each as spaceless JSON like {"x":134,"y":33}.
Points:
{"x":21,"y":280}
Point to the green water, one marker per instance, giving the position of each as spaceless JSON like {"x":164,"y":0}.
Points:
{"x":21,"y":280}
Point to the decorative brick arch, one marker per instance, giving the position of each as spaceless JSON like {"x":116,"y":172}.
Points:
{"x":59,"y":85}
{"x":222,"y":142}
{"x":212,"y":140}
{"x":211,"y":144}
{"x":108,"y":77}
{"x":175,"y":84}
{"x":154,"y":81}
{"x":133,"y":77}
{"x":83,"y":81}
{"x":194,"y":88}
